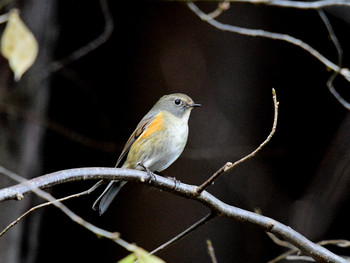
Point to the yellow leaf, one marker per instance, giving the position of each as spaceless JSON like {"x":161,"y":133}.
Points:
{"x":128,"y":259}
{"x":18,"y":45}
{"x":142,"y":256}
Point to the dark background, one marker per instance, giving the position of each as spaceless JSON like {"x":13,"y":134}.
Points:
{"x":82,"y":114}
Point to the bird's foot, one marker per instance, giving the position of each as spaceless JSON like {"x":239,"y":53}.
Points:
{"x":151,"y":176}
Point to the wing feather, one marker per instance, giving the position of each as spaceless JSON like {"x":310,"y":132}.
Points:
{"x":141,"y":127}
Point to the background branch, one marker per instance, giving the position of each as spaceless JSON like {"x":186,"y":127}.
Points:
{"x":271,"y":35}
{"x":296,"y":4}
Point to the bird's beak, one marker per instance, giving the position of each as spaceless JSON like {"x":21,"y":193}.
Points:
{"x":194,"y":105}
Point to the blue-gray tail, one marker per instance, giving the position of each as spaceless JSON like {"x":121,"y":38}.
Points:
{"x":105,"y":199}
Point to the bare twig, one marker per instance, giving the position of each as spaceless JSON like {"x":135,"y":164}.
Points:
{"x":222,"y":6}
{"x":48,"y":123}
{"x":280,"y":242}
{"x":47,"y":204}
{"x":335,"y":242}
{"x":296,"y":4}
{"x":307,"y":247}
{"x":77,"y":219}
{"x":299,"y":257}
{"x":4,"y":18}
{"x":228,"y":166}
{"x":339,"y":50}
{"x":210,"y":181}
{"x":271,"y":35}
{"x":92,"y":45}
{"x":293,"y":250}
{"x":180,"y":236}
{"x":211,"y":251}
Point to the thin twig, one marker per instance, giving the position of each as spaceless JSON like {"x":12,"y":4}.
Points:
{"x":297,"y":257}
{"x":92,"y":45}
{"x":180,"y":236}
{"x":210,"y":181}
{"x":228,"y":166}
{"x":280,"y":242}
{"x":334,"y":242}
{"x":77,"y":219}
{"x":296,"y":4}
{"x":271,"y":35}
{"x":284,"y":255}
{"x":48,"y":123}
{"x":339,"y":50}
{"x":211,"y":251}
{"x":93,"y":188}
{"x":222,"y":6}
{"x":4,"y":18}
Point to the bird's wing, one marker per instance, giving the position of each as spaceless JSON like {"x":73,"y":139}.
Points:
{"x":141,"y":127}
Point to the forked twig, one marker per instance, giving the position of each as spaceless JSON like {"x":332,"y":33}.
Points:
{"x":228,"y":166}
{"x":114,"y":236}
{"x":345,"y":72}
{"x":93,"y":188}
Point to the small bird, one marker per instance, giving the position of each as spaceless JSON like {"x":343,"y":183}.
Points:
{"x":158,"y":140}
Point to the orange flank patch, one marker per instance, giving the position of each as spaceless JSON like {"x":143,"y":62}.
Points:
{"x":154,"y":126}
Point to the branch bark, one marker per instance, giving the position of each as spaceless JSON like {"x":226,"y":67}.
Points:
{"x":282,"y":231}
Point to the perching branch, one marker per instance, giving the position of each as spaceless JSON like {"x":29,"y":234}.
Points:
{"x":36,"y":186}
{"x":189,"y":191}
{"x":217,"y":207}
{"x":47,"y":204}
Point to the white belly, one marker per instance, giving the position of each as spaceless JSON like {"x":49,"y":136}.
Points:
{"x":167,"y":153}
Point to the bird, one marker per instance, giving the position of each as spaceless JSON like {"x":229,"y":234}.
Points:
{"x":156,"y":143}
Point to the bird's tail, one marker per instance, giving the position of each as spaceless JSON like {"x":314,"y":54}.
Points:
{"x":105,"y":199}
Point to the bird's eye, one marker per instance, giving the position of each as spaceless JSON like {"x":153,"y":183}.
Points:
{"x":177,"y":102}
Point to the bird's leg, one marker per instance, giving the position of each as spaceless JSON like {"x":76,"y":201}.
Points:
{"x":148,"y":171}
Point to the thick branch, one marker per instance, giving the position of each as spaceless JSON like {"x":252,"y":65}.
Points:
{"x":317,"y":252}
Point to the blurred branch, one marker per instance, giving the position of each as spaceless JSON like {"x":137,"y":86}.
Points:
{"x":292,"y":250}
{"x":4,"y":18}
{"x":48,"y":123}
{"x":211,"y":251}
{"x":229,"y":166}
{"x":345,"y":72}
{"x":218,"y":207}
{"x":296,"y":4}
{"x":92,"y":45}
{"x":47,"y":204}
{"x":222,"y":6}
{"x":339,"y":50}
